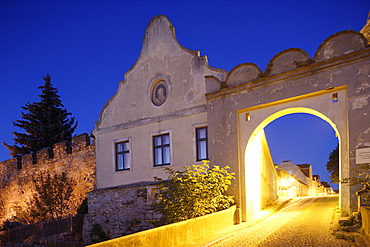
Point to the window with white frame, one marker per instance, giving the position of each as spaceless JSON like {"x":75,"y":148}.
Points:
{"x":123,"y":156}
{"x":161,"y":150}
{"x":202,"y":143}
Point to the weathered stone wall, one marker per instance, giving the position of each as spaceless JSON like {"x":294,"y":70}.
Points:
{"x":77,"y":160}
{"x":120,"y":211}
{"x":182,"y":233}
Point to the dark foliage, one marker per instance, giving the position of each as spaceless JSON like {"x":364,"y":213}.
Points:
{"x":52,"y":196}
{"x":45,"y":123}
{"x":50,"y":200}
{"x":83,"y":209}
{"x":332,"y":166}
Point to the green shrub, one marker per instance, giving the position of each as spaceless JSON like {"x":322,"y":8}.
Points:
{"x":197,"y":191}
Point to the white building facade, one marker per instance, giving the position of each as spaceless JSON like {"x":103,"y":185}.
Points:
{"x":160,"y":105}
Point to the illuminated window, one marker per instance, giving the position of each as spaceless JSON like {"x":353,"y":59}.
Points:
{"x":161,"y":150}
{"x":202,"y":143}
{"x":123,"y":157}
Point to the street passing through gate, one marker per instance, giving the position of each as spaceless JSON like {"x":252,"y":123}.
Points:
{"x":302,"y":222}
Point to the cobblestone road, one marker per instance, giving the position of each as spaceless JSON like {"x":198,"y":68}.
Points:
{"x":303,"y":222}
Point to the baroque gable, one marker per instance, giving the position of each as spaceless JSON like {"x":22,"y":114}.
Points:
{"x":166,"y":81}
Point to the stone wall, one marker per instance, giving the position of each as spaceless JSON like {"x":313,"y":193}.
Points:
{"x":183,"y":233}
{"x":76,"y":159}
{"x":121,"y":210}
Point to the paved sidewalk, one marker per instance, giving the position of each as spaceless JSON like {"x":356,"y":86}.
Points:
{"x":213,"y":239}
{"x":218,"y":236}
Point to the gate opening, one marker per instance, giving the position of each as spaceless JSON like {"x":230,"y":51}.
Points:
{"x":261,"y":178}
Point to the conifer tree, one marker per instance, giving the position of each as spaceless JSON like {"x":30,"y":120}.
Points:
{"x":45,"y":123}
{"x":332,"y":166}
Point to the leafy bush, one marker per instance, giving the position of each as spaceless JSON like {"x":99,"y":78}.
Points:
{"x":197,"y":191}
{"x":50,"y":199}
{"x":52,"y":196}
{"x":360,"y":176}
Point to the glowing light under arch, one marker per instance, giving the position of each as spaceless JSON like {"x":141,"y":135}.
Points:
{"x":253,"y":159}
{"x":293,"y":110}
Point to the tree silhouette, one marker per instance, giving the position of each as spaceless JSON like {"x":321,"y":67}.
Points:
{"x":45,"y":123}
{"x":332,"y":166}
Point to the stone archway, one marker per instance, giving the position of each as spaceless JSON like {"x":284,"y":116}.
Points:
{"x":334,"y":84}
{"x":319,"y":104}
{"x":252,"y":165}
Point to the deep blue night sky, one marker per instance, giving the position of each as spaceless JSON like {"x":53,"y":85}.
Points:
{"x":87,"y":46}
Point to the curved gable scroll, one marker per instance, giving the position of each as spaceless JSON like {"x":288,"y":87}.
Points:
{"x":242,"y":73}
{"x":166,"y":78}
{"x":159,"y":39}
{"x":340,"y":44}
{"x":286,"y":60}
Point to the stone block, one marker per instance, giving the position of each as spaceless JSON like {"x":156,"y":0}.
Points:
{"x":80,"y":141}
{"x":44,"y":154}
{"x":61,"y":149}
{"x":344,"y":221}
{"x":27,"y":160}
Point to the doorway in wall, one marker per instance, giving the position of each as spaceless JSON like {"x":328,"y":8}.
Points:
{"x":300,"y":135}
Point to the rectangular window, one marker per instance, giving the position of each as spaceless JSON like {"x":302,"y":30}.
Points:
{"x":202,"y":143}
{"x":162,"y":151}
{"x":123,"y":157}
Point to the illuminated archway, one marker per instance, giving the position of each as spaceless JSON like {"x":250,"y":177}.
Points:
{"x":253,"y":156}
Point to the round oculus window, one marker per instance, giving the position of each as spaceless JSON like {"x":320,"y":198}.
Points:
{"x":159,"y":93}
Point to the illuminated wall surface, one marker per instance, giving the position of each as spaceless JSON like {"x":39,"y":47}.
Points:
{"x":261,"y":178}
{"x":76,"y":160}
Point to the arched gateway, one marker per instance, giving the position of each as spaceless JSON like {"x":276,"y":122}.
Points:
{"x":171,"y":98}
{"x":334,"y":85}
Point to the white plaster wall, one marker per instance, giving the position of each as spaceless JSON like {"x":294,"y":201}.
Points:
{"x":182,"y":132}
{"x":269,"y":176}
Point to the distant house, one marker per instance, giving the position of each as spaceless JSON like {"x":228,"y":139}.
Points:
{"x":302,"y":183}
{"x":297,"y":180}
{"x":289,"y":186}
